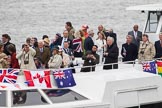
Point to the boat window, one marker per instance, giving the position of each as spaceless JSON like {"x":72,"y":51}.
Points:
{"x":2,"y":98}
{"x":27,"y":98}
{"x":152,"y":22}
{"x":63,"y":95}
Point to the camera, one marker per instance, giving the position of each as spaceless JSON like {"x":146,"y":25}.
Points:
{"x":26,"y":62}
{"x":141,"y":52}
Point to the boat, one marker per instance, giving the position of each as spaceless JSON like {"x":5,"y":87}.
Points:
{"x":126,"y":87}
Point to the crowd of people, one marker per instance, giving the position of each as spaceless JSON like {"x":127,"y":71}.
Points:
{"x":63,"y":49}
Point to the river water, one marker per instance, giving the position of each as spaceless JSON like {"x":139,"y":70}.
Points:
{"x":25,"y":18}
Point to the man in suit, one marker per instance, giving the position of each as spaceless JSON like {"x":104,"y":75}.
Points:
{"x":69,"y":52}
{"x":43,"y":54}
{"x":65,"y":38}
{"x":137,"y":35}
{"x":88,"y":43}
{"x":129,"y":50}
{"x":158,"y":47}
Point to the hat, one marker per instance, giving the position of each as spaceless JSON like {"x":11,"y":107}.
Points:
{"x":55,"y":48}
{"x":84,"y":27}
{"x":58,"y":34}
{"x":60,"y":48}
{"x":46,"y":40}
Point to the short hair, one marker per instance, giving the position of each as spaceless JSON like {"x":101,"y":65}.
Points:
{"x":1,"y":45}
{"x":69,"y":24}
{"x":41,"y":41}
{"x":95,"y":46}
{"x":66,"y":42}
{"x":44,"y":36}
{"x":110,"y":38}
{"x":145,"y":35}
{"x":11,"y":47}
{"x":130,"y":36}
{"x":160,"y":33}
{"x":6,"y":36}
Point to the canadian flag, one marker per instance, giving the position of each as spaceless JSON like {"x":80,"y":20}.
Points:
{"x":40,"y":78}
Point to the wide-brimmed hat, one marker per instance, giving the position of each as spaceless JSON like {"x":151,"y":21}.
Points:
{"x":46,"y":40}
{"x":55,"y":48}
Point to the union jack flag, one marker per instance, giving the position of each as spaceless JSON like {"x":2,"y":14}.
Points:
{"x":59,"y":74}
{"x":8,"y":75}
{"x":77,"y":45}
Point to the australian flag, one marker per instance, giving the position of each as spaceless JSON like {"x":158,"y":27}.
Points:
{"x":64,"y":78}
{"x":149,"y":67}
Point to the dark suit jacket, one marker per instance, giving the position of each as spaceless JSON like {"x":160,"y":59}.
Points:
{"x":43,"y":56}
{"x":112,"y":57}
{"x":137,"y":40}
{"x":69,"y":40}
{"x":158,"y":49}
{"x":88,"y":43}
{"x":130,"y":50}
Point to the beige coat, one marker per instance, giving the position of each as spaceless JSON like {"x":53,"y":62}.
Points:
{"x":31,"y":64}
{"x":55,"y":61}
{"x":146,"y":51}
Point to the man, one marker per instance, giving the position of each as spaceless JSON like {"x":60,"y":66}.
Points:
{"x":69,"y":52}
{"x":6,"y":41}
{"x":65,"y":38}
{"x":129,"y":50}
{"x":91,"y":58}
{"x":111,"y":55}
{"x":70,"y":29}
{"x":137,"y":35}
{"x":42,"y":53}
{"x":88,"y":43}
{"x":158,"y":47}
{"x":55,"y":61}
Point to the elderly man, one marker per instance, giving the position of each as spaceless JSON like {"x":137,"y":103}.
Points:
{"x":137,"y":35}
{"x":88,"y":43}
{"x":42,"y":53}
{"x":158,"y":47}
{"x":111,"y":55}
{"x":129,"y":50}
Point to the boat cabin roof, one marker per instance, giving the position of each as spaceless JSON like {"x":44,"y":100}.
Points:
{"x":149,"y":7}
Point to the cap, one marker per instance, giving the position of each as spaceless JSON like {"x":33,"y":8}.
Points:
{"x":46,"y":40}
{"x":84,"y":27}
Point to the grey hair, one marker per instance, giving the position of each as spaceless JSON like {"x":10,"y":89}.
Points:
{"x":41,"y":41}
{"x":110,"y":38}
{"x":160,"y":33}
{"x":130,"y":36}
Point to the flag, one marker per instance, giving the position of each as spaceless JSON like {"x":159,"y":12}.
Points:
{"x":8,"y":75}
{"x":159,"y":67}
{"x":77,"y":45}
{"x":149,"y":66}
{"x":40,"y":78}
{"x":64,"y":78}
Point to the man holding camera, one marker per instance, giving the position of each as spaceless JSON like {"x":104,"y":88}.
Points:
{"x":26,"y":57}
{"x":91,"y":58}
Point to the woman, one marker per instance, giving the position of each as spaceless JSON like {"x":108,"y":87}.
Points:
{"x":101,"y":43}
{"x":146,"y":49}
{"x":14,"y":62}
{"x":26,"y":57}
{"x":78,"y":43}
{"x":4,"y":60}
{"x":111,"y":55}
{"x":55,"y":61}
{"x":65,"y":58}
